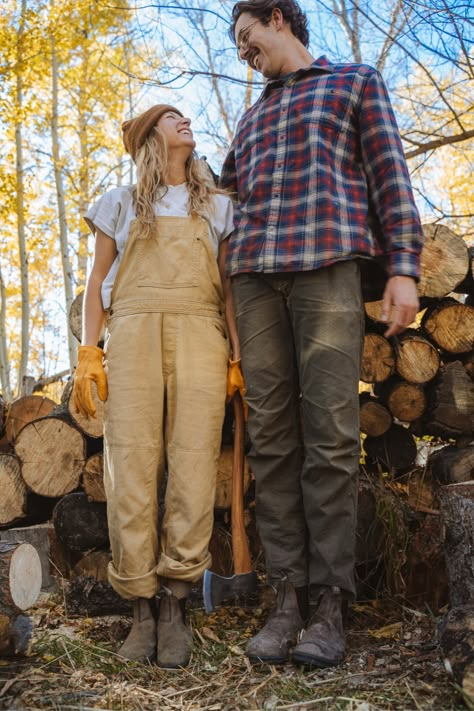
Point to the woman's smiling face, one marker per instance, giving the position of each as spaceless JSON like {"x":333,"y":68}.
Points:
{"x":177,"y":131}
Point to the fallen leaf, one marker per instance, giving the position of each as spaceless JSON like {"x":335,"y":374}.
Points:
{"x":392,"y":630}
{"x":206,"y":632}
{"x":237,"y":650}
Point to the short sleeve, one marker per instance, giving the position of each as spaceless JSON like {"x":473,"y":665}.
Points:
{"x":105,"y":214}
{"x":224,"y":217}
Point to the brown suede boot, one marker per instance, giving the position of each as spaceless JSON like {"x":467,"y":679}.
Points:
{"x":322,"y":643}
{"x":140,"y":645}
{"x":272,"y":644}
{"x":175,"y":640}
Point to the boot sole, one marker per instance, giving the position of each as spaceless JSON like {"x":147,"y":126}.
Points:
{"x":308,"y":660}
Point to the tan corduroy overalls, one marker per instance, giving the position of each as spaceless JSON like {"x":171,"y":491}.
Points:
{"x":166,"y":361}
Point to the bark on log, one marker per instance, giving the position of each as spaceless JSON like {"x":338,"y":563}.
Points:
{"x":25,"y":410}
{"x":52,"y":455}
{"x":89,"y":593}
{"x":375,"y":419}
{"x":20,"y":577}
{"x":223,"y":498}
{"x":15,"y":635}
{"x":87,"y":597}
{"x":451,"y":409}
{"x":444,"y":261}
{"x":456,"y":640}
{"x":426,"y":579}
{"x":405,"y":401}
{"x":393,"y":451}
{"x":13,"y":488}
{"x":457,"y":509}
{"x":75,"y":318}
{"x":93,"y":477}
{"x":54,"y":559}
{"x":451,"y":464}
{"x":90,"y":426}
{"x":417,"y":360}
{"x":378,"y":359}
{"x":370,"y":540}
{"x":450,"y":325}
{"x":93,"y":565}
{"x":467,"y":285}
{"x":3,"y":416}
{"x":5,"y":445}
{"x":80,"y":524}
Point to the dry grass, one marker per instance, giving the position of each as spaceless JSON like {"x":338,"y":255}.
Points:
{"x":392,"y":663}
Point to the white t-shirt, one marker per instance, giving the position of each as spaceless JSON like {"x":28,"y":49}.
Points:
{"x":114,"y":211}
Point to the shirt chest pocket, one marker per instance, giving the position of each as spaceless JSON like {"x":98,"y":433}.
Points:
{"x":169,"y":261}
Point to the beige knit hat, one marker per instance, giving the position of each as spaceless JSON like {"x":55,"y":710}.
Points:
{"x":136,"y":130}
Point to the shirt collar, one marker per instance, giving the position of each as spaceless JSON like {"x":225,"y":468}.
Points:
{"x":321,"y":65}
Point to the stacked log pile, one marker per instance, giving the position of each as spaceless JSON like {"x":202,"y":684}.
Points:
{"x":420,"y":384}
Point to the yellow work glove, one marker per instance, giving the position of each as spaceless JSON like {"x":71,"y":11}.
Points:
{"x":89,"y":369}
{"x":235,"y":381}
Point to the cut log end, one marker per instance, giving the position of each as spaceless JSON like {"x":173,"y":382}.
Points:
{"x":52,"y":454}
{"x":378,"y":359}
{"x":444,"y":261}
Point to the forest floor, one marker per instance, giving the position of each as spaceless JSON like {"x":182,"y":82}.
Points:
{"x":392,"y":662}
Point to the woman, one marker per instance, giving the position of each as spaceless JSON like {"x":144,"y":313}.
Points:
{"x":158,"y":281}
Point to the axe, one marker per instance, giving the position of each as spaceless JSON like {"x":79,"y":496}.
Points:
{"x":217,"y":587}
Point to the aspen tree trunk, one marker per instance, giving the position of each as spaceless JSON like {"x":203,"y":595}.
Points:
{"x":20,"y":206}
{"x":58,"y":178}
{"x":84,"y":186}
{"x":4,"y":361}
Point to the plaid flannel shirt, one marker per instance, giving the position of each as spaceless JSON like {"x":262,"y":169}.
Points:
{"x":319,"y":176}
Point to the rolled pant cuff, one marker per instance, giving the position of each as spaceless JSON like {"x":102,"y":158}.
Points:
{"x":189,"y":572}
{"x":129,"y":588}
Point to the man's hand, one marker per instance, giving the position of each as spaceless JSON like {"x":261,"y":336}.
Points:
{"x":89,"y":369}
{"x":400,"y":304}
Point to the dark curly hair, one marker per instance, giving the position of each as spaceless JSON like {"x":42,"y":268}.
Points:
{"x":262,"y":9}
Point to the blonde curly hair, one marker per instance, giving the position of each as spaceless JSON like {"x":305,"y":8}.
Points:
{"x":152,"y":162}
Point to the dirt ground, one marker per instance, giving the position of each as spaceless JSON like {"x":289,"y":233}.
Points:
{"x":392,"y":662}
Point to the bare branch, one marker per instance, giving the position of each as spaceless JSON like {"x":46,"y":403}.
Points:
{"x":439,"y":142}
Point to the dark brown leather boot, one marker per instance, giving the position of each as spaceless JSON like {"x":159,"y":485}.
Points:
{"x":140,"y":645}
{"x":322,"y":643}
{"x":272,"y":644}
{"x":175,"y":640}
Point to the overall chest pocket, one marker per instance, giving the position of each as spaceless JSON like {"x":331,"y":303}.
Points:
{"x":169,"y":261}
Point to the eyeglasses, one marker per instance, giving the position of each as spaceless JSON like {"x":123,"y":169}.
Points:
{"x":244,"y":34}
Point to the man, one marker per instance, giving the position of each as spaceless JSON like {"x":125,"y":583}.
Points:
{"x":321,"y":187}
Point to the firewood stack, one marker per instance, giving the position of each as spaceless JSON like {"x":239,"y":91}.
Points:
{"x":419,"y":384}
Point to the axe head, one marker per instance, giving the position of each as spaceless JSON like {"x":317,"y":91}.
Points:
{"x":217,"y":588}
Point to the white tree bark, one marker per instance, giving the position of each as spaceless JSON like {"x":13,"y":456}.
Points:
{"x":4,"y":360}
{"x":58,"y":177}
{"x":20,"y":206}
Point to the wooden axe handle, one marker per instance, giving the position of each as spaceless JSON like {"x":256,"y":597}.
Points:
{"x":240,"y":545}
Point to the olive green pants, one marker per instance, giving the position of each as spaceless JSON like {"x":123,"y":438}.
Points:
{"x":301,"y":341}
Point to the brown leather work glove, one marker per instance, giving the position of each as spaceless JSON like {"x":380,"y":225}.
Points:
{"x":235,"y":381}
{"x":89,"y":369}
